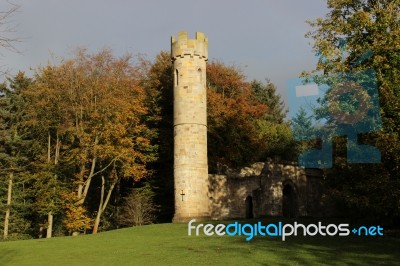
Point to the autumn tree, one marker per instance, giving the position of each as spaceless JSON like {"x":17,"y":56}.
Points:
{"x":233,"y":138}
{"x":350,"y":31}
{"x":46,"y":122}
{"x":95,"y":105}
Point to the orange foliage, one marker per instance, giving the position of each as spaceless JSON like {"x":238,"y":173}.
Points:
{"x":95,"y":106}
{"x":232,"y":110}
{"x":75,"y":214}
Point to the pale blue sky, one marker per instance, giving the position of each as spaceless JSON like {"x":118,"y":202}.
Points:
{"x":264,"y":38}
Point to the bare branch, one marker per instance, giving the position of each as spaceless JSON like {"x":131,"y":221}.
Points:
{"x":108,"y":165}
{"x":6,"y":28}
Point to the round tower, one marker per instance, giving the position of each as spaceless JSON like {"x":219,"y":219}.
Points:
{"x":190,"y":127}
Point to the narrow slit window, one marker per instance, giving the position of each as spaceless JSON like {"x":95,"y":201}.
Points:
{"x":200,"y":75}
{"x":176,"y":77}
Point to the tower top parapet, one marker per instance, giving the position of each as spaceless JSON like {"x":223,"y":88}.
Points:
{"x":193,"y":47}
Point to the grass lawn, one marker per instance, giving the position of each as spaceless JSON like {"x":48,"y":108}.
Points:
{"x":169,"y":244}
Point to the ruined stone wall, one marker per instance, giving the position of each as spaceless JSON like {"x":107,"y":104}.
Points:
{"x":265,"y":184}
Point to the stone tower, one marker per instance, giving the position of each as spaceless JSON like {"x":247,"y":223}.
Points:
{"x":189,"y":57}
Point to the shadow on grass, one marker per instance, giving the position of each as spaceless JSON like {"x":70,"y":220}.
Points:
{"x":317,"y":250}
{"x":306,"y":251}
{"x":6,"y":256}
{"x":169,"y":244}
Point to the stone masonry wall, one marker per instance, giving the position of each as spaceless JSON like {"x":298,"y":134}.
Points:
{"x":265,"y":184}
{"x":189,"y":57}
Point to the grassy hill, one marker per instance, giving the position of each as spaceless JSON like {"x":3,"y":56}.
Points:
{"x":169,"y":244}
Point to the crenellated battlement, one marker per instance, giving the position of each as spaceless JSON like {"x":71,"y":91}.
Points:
{"x":192,"y":47}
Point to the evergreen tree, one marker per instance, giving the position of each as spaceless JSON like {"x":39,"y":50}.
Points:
{"x":267,"y":94}
{"x":15,"y":152}
{"x":159,"y":88}
{"x":302,"y":126}
{"x":273,"y":129}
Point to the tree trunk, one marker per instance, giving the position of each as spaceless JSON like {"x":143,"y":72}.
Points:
{"x":80,"y":185}
{"x":50,"y":214}
{"x":57,"y":151}
{"x":86,"y":185}
{"x":98,"y":216}
{"x":48,"y":148}
{"x":103,"y":204}
{"x":7,"y":216}
{"x":41,"y":232}
{"x":49,"y":225}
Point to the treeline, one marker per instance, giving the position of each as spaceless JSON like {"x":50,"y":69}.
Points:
{"x":349,"y":31}
{"x":86,"y":144}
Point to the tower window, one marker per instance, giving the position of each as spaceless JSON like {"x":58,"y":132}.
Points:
{"x":200,"y":74}
{"x":176,"y":77}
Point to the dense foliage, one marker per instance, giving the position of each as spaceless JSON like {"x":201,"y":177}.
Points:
{"x":81,"y":134}
{"x":355,"y":36}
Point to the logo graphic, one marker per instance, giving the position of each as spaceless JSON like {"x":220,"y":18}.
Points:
{"x":280,"y":229}
{"x":340,"y":104}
